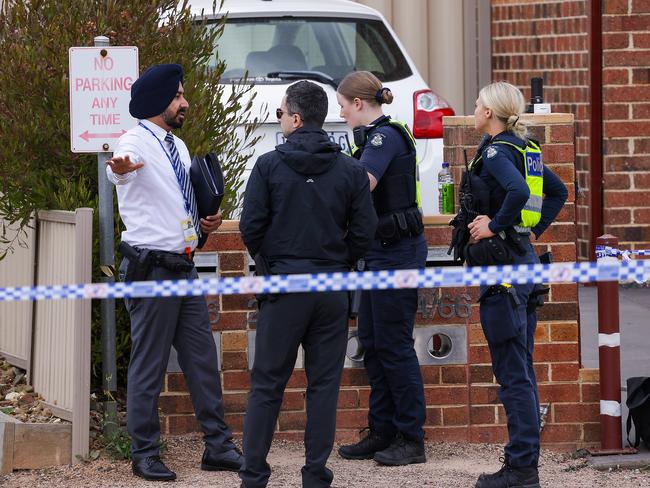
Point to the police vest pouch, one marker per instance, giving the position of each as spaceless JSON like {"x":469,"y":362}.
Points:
{"x":387,"y":230}
{"x":489,"y":252}
{"x":499,"y":314}
{"x":398,"y":225}
{"x":414,"y":221}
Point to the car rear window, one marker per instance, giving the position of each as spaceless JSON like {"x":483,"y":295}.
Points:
{"x":332,"y":46}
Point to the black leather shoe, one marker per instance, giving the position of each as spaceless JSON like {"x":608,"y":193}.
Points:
{"x":230,"y":460}
{"x":153,"y":469}
{"x":402,"y":451}
{"x":366,"y":447}
{"x":510,"y":477}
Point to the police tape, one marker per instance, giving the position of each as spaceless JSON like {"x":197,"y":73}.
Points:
{"x":625,"y":253}
{"x":451,"y":276}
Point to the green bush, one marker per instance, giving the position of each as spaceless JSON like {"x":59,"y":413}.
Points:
{"x":38,"y":169}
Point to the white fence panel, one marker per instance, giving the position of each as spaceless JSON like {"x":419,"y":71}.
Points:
{"x":61,"y":350}
{"x":17,"y":269}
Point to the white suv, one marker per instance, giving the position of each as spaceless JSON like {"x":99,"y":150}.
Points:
{"x":279,"y":41}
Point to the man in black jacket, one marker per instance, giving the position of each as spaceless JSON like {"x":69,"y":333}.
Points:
{"x":307,"y":209}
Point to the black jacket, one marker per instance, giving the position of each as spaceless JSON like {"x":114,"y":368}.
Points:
{"x":308,"y":207}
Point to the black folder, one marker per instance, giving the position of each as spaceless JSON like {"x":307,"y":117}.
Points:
{"x":207,"y":180}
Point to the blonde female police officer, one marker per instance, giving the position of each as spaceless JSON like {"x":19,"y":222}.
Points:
{"x":386,"y":149}
{"x":523,"y":198}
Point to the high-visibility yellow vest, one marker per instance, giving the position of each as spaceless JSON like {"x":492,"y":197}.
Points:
{"x":534,"y":175}
{"x":404,"y":129}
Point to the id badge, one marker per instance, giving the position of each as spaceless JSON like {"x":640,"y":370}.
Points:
{"x":189,"y":232}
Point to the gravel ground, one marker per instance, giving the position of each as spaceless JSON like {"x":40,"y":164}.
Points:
{"x":447,"y":466}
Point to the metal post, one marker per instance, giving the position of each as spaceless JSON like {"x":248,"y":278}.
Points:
{"x":107,"y":264}
{"x":609,"y":355}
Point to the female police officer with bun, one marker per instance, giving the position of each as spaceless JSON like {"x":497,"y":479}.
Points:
{"x":516,"y":196}
{"x":386,"y":148}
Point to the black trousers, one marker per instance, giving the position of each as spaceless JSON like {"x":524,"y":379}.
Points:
{"x":319,"y":322}
{"x":386,"y":322}
{"x":156,"y":325}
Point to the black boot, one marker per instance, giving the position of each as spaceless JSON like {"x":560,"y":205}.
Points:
{"x":366,"y":447}
{"x":153,"y":469}
{"x":230,"y":460}
{"x":498,"y":474}
{"x":510,"y":477}
{"x":402,"y":451}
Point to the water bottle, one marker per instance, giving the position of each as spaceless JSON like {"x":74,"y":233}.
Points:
{"x":446,"y":202}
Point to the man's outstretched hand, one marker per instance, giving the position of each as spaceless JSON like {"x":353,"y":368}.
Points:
{"x":122,"y":165}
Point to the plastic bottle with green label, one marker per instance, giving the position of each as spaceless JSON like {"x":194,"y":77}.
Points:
{"x":446,"y":201}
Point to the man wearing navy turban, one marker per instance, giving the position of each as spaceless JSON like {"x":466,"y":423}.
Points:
{"x":150,"y":170}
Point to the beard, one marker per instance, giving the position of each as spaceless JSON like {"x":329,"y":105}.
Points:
{"x":174,"y":119}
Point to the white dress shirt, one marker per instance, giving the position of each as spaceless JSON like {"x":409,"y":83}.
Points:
{"x":150,"y":199}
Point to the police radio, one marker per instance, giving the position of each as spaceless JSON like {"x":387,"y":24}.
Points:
{"x":360,"y":135}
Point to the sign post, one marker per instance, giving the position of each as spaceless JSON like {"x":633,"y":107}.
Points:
{"x":100,"y":86}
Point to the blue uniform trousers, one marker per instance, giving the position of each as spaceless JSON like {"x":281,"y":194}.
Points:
{"x":386,"y":321}
{"x":510,"y":331}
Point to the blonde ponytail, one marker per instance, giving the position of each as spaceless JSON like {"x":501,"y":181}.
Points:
{"x":507,"y":103}
{"x":517,"y":126}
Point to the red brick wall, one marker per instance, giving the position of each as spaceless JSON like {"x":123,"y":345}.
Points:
{"x":548,"y":38}
{"x":462,"y":404}
{"x":626,"y":96}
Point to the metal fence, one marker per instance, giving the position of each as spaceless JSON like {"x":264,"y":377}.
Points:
{"x":52,"y":339}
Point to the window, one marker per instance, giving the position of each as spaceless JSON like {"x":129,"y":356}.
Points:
{"x":334,"y":47}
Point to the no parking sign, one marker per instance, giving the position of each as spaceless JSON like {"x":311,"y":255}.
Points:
{"x":100,"y":91}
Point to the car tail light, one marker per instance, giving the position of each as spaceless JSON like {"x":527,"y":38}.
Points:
{"x":428,"y":111}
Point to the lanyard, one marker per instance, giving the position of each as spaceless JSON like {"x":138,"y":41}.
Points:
{"x":178,"y":180}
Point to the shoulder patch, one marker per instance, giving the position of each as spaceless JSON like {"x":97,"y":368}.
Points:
{"x":377,"y":140}
{"x":491,"y":152}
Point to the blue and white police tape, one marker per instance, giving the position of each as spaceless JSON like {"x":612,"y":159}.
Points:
{"x":625,"y":253}
{"x":604,"y":270}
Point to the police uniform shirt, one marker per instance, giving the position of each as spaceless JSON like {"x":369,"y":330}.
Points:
{"x":384,"y":144}
{"x":150,"y":200}
{"x":509,"y":191}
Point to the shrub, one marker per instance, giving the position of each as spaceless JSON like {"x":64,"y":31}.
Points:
{"x":38,"y":169}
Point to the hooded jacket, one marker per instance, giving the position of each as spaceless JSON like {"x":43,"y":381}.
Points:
{"x":308,"y":207}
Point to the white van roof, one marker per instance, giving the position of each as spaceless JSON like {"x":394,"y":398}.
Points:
{"x":279,"y":8}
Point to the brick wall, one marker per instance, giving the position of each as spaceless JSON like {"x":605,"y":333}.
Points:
{"x":626,"y":97}
{"x":548,"y":38}
{"x":461,"y":398}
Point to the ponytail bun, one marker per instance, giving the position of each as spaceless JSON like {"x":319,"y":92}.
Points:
{"x":387,"y":96}
{"x":384,"y":95}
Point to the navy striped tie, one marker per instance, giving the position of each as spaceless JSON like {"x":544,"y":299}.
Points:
{"x":184,"y":182}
